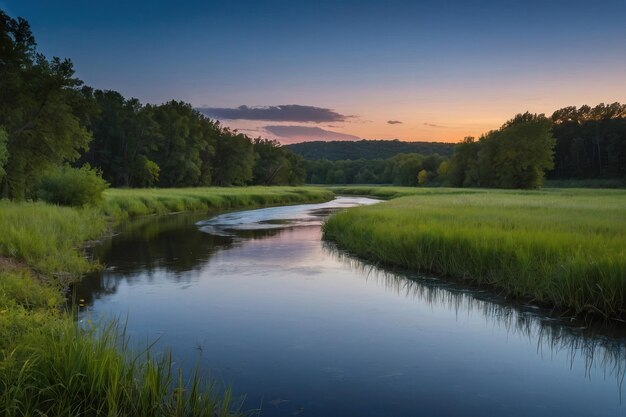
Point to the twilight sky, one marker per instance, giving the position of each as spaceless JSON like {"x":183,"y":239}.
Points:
{"x":297,"y":70}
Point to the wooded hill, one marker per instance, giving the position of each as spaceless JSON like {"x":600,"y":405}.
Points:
{"x":367,"y":149}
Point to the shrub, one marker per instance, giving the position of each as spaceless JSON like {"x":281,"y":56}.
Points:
{"x":71,"y":186}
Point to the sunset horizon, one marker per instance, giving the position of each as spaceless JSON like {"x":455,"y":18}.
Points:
{"x":355,"y":70}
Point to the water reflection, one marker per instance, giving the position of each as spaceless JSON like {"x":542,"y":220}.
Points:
{"x":602,"y":346}
{"x":303,"y":327}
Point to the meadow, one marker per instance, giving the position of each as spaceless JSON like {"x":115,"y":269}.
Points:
{"x":564,"y":248}
{"x":51,"y":366}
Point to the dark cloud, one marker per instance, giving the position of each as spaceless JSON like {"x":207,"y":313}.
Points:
{"x":281,"y":113}
{"x":394,"y":122}
{"x":432,"y":125}
{"x":306,"y":133}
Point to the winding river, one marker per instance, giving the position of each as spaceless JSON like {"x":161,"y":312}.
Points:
{"x":260,"y":302}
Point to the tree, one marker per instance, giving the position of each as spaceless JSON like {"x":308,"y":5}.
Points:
{"x":233,"y":160}
{"x":515,"y":156}
{"x":40,"y":108}
{"x":422,"y":177}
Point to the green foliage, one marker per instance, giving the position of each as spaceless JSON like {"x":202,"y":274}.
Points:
{"x":4,"y":152}
{"x":515,"y":156}
{"x":146,"y":172}
{"x":234,"y":160}
{"x":590,"y":142}
{"x":41,"y":108}
{"x":367,"y":149}
{"x":563,"y":248}
{"x":401,"y":169}
{"x":124,"y":133}
{"x":422,"y":177}
{"x":275,"y":164}
{"x":69,"y":186}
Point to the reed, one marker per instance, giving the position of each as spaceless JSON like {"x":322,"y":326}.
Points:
{"x":563,"y":248}
{"x":63,"y":370}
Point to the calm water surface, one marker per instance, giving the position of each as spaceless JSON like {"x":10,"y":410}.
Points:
{"x":303,"y":329}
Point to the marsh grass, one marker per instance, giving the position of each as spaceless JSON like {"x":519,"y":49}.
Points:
{"x":125,"y":203}
{"x":63,"y":370}
{"x":50,"y":366}
{"x":48,"y":238}
{"x":563,"y":248}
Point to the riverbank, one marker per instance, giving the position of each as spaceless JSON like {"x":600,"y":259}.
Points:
{"x":48,"y":365}
{"x":557,"y":247}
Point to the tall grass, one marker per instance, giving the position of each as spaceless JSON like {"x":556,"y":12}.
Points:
{"x":48,"y":238}
{"x":565,"y":248}
{"x":124,"y":203}
{"x":62,"y":371}
{"x":48,"y":365}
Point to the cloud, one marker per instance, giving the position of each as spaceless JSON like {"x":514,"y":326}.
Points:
{"x":280,"y":113}
{"x":394,"y":122}
{"x":305,"y":133}
{"x":432,"y":125}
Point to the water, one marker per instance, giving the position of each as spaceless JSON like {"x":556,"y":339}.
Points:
{"x":301,"y":328}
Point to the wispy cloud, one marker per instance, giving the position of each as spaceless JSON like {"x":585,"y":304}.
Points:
{"x":432,"y":125}
{"x":280,"y":113}
{"x":394,"y":122}
{"x":306,"y":133}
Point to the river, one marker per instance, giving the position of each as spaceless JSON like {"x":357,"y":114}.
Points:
{"x":260,"y":302}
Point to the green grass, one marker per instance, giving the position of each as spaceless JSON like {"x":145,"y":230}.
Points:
{"x":61,"y":370}
{"x":560,"y":247}
{"x":48,"y":365}
{"x":125,"y":203}
{"x":48,"y":238}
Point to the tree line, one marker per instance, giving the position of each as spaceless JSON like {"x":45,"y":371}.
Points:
{"x":590,"y":142}
{"x":573,"y":143}
{"x":407,"y":169}
{"x":49,"y":118}
{"x":367,"y":149}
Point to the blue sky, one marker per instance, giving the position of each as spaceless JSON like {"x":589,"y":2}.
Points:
{"x":443,"y":69}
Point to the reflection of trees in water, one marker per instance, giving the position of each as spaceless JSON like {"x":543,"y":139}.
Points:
{"x":600,"y":346}
{"x":155,"y":248}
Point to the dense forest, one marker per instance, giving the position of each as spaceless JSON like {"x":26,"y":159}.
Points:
{"x":367,"y":149}
{"x":574,"y":143}
{"x":408,"y":169}
{"x":590,"y":142}
{"x":56,"y":131}
{"x":49,"y":118}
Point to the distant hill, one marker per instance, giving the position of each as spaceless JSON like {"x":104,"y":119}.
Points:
{"x":367,"y":149}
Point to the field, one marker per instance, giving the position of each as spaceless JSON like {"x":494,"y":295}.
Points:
{"x":558,"y":247}
{"x":48,"y":365}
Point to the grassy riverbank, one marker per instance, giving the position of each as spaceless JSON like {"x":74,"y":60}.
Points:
{"x":559,"y":247}
{"x":50,"y":367}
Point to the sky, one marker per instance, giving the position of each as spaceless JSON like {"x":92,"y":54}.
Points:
{"x":346,"y":70}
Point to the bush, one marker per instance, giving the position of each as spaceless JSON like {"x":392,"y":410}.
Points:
{"x":71,"y":186}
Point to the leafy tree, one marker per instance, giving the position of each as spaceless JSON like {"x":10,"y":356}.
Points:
{"x":233,"y":160}
{"x":422,"y":177}
{"x":514,"y":156}
{"x":40,"y":108}
{"x":271,"y":163}
{"x":124,"y":133}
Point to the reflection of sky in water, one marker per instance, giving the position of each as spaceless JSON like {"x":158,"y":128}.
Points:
{"x":277,"y":217}
{"x":303,"y":328}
